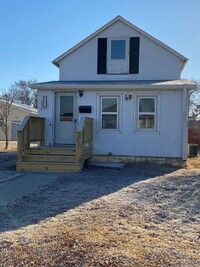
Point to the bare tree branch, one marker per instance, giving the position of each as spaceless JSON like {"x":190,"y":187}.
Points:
{"x":6,"y":100}
{"x":194,"y":101}
{"x":22,"y":93}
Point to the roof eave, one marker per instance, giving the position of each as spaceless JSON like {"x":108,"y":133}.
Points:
{"x":59,"y":58}
{"x":183,"y":63}
{"x":55,"y":63}
{"x":22,"y":108}
{"x":112,"y":87}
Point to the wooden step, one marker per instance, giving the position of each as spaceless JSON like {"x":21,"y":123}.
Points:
{"x":49,"y":167}
{"x":47,"y":151}
{"x":49,"y":158}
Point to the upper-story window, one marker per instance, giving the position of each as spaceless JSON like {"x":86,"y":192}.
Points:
{"x":118,"y":49}
{"x":117,"y":58}
{"x":118,"y":55}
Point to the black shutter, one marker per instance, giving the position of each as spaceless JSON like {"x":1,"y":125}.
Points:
{"x":102,"y":56}
{"x":134,"y":55}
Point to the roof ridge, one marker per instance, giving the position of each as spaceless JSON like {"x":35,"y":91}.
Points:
{"x":128,"y":23}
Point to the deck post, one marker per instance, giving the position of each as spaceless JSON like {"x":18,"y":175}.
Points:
{"x":31,"y":130}
{"x":84,"y":140}
{"x":43,"y":133}
{"x":20,"y":147}
{"x":78,"y":146}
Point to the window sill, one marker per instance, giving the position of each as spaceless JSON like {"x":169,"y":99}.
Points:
{"x":109,"y":132}
{"x":117,"y":73}
{"x":147,"y":132}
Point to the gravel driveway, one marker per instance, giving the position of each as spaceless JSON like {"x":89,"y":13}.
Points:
{"x":27,"y":198}
{"x":144,"y":215}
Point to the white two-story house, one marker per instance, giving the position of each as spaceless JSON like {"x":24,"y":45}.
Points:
{"x":129,"y":84}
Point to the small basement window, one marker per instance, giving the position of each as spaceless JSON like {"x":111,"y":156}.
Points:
{"x":146,"y":113}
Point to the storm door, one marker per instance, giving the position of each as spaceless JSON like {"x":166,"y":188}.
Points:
{"x":65,"y":121}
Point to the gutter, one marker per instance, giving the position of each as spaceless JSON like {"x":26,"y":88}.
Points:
{"x":91,"y":87}
{"x":54,"y":62}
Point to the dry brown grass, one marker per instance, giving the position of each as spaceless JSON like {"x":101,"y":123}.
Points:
{"x":148,"y":224}
{"x":12,"y":146}
{"x":194,"y":162}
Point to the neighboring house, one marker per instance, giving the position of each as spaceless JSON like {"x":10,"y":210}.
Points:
{"x":194,"y":131}
{"x":129,"y":83}
{"x":16,"y":116}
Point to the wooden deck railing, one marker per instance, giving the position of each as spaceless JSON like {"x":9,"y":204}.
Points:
{"x":84,"y":139}
{"x":32,"y":129}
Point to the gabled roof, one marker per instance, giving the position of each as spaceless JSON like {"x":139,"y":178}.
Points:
{"x":23,"y":107}
{"x":116,"y":19}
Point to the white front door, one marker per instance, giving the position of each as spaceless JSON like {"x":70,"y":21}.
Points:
{"x":65,"y":121}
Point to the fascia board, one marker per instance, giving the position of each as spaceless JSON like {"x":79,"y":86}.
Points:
{"x":119,"y":18}
{"x":115,"y":87}
{"x":56,"y":61}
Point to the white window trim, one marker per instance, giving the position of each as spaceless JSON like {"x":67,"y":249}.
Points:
{"x":119,"y":113}
{"x":118,"y":61}
{"x":155,"y":113}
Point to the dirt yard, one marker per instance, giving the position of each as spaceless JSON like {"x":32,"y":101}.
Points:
{"x":142,"y":216}
{"x":12,"y":146}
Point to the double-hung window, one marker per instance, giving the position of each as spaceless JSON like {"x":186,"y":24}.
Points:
{"x":147,"y":114}
{"x":109,"y":113}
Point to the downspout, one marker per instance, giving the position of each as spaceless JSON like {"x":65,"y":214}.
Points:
{"x":185,"y":124}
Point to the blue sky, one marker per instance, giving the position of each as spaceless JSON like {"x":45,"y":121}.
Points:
{"x":33,"y":33}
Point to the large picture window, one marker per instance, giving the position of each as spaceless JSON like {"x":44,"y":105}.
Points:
{"x":147,"y":113}
{"x":109,"y":113}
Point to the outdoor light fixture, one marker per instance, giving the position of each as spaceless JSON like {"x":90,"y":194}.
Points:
{"x":80,"y":93}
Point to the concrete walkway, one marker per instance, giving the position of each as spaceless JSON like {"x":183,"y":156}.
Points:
{"x":8,"y":160}
{"x":14,"y":185}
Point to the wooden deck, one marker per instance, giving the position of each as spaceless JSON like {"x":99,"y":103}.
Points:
{"x":58,"y":158}
{"x":50,"y":159}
